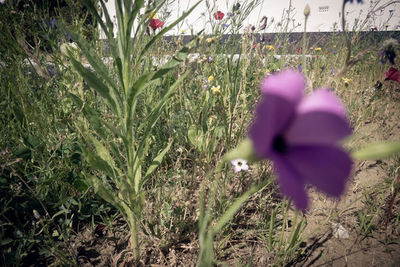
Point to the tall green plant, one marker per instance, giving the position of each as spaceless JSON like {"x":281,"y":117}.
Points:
{"x":117,"y":149}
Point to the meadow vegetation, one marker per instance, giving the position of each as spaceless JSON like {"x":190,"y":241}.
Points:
{"x":112,"y":151}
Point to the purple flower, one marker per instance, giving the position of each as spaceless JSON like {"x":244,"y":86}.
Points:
{"x":300,"y":135}
{"x":300,"y":68}
{"x":53,"y":22}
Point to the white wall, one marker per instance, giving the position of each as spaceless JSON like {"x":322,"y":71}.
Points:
{"x":324,"y":14}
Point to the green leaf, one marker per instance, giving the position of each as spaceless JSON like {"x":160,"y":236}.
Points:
{"x":98,"y":163}
{"x":94,"y":82}
{"x":104,"y":154}
{"x":156,"y":162}
{"x":377,"y":151}
{"x":195,"y":136}
{"x":105,"y":191}
{"x":236,"y":205}
{"x":99,"y":67}
{"x":80,"y":185}
{"x":244,"y":150}
{"x":89,"y":4}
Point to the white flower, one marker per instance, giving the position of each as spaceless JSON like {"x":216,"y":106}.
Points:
{"x":239,"y":165}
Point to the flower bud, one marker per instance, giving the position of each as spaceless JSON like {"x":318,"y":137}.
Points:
{"x":307,"y":11}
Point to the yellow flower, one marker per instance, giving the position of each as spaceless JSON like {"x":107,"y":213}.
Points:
{"x":152,"y":15}
{"x":346,"y":81}
{"x":267,"y":72}
{"x":210,"y":40}
{"x":215,"y":90}
{"x":318,"y":49}
{"x":270,"y":47}
{"x":210,"y":79}
{"x":183,"y":31}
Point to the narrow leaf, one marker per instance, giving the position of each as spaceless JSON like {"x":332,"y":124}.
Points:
{"x":377,"y":151}
{"x":94,"y":82}
{"x":156,"y":162}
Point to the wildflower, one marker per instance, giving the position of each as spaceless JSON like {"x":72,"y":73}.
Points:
{"x":210,"y":40}
{"x":219,"y":15}
{"x":215,"y":90}
{"x":209,"y":59}
{"x":239,"y":165}
{"x":210,"y":79}
{"x":270,"y":47}
{"x":225,"y":26}
{"x":318,"y":49}
{"x":392,"y":74}
{"x":306,"y":10}
{"x":68,"y":37}
{"x":301,"y":135}
{"x":300,"y":68}
{"x":267,"y":72}
{"x":183,"y":31}
{"x":346,"y":81}
{"x":299,"y":50}
{"x":152,"y":15}
{"x":53,"y":23}
{"x":156,"y":23}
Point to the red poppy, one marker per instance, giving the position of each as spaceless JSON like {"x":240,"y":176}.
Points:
{"x":299,"y":50}
{"x":219,"y":15}
{"x":393,"y":74}
{"x":156,"y":23}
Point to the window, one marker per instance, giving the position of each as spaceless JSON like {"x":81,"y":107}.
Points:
{"x":323,"y":9}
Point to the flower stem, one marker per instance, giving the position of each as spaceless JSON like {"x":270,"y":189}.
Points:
{"x":134,"y":236}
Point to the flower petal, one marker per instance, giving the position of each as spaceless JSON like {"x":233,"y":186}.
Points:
{"x":288,"y":84}
{"x":281,"y":94}
{"x":291,"y":184}
{"x":326,"y":167}
{"x":321,"y":119}
{"x":273,"y":115}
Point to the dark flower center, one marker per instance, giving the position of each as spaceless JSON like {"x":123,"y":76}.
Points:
{"x":279,"y":144}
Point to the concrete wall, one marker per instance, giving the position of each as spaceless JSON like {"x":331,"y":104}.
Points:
{"x":325,"y":14}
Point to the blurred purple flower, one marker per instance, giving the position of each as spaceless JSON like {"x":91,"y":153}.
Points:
{"x":225,"y":26}
{"x":301,"y":135}
{"x":68,"y":37}
{"x":53,"y":22}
